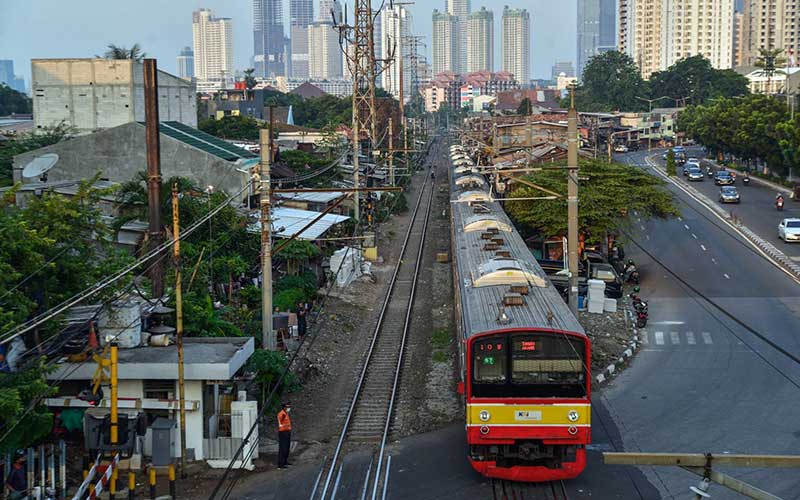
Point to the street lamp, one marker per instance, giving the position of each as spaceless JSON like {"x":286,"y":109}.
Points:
{"x":649,"y":113}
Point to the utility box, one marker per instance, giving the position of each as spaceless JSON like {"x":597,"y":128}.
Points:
{"x":163,"y":433}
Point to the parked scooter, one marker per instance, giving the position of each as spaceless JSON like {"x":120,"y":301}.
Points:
{"x":640,"y":308}
{"x":631,"y":273}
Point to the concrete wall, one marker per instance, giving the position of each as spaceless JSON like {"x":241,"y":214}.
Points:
{"x":95,"y":94}
{"x":119,"y":154}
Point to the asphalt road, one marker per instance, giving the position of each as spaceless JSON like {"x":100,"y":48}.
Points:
{"x":701,"y":383}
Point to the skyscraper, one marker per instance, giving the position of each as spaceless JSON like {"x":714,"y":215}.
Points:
{"x":461,"y":9}
{"x":517,"y":43}
{"x":596,"y":29}
{"x":213,"y":49}
{"x":325,"y":56}
{"x":480,"y":41}
{"x":770,"y":25}
{"x":559,"y":67}
{"x":301,"y":15}
{"x":324,"y":11}
{"x":8,"y":77}
{"x":269,"y":41}
{"x":186,"y":63}
{"x":445,"y":31}
{"x":395,"y":27}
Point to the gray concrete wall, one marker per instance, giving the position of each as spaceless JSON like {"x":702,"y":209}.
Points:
{"x":119,"y":154}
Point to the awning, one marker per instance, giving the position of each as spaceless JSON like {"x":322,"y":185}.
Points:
{"x":286,"y":222}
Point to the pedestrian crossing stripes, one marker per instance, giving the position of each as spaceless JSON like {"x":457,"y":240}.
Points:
{"x":674,"y":338}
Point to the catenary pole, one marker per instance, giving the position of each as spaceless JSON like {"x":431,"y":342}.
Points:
{"x":572,"y":202}
{"x":176,"y":259}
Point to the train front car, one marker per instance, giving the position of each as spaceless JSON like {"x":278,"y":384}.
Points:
{"x":528,"y":408}
{"x":524,"y":357}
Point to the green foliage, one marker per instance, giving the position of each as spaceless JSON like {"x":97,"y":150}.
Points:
{"x":249,"y":80}
{"x":608,"y":194}
{"x":672,"y":168}
{"x":696,"y":81}
{"x":12,"y":101}
{"x":18,"y":391}
{"x":306,"y":282}
{"x":232,"y":127}
{"x":300,"y":161}
{"x":525,"y":107}
{"x":441,"y":338}
{"x":288,"y":299}
{"x":202,"y":319}
{"x":28,"y":142}
{"x":295,"y":253}
{"x":770,"y":62}
{"x":611,"y":81}
{"x":267,"y":367}
{"x":119,"y":52}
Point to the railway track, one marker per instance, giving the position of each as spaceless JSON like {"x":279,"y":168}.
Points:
{"x":368,"y":420}
{"x":510,"y":490}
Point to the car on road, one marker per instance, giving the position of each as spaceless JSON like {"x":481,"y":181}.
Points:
{"x":729,"y":194}
{"x":695,"y":174}
{"x":620,"y":148}
{"x":789,"y":230}
{"x":723,"y":178}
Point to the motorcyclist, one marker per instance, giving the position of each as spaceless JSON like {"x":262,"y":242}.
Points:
{"x":779,"y":201}
{"x":630,"y":267}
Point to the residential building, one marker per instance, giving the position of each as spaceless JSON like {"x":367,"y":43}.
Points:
{"x":301,"y":15}
{"x":185,"y":62}
{"x":270,"y":44}
{"x":596,"y":29}
{"x":659,"y":33}
{"x":770,"y":25}
{"x":461,"y":10}
{"x":452,"y":89}
{"x":738,"y":40}
{"x":480,"y":41}
{"x":339,"y":87}
{"x":559,"y":67}
{"x":95,"y":94}
{"x":395,"y":28}
{"x":213,"y":49}
{"x":325,"y":57}
{"x":445,"y":49}
{"x":517,"y":43}
{"x":563,"y":82}
{"x":776,"y":84}
{"x":8,"y":77}
{"x":325,"y":8}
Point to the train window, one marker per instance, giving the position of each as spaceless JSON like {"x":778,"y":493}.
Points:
{"x":490,"y":363}
{"x":546,"y":360}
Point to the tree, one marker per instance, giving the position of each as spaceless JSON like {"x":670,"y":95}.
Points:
{"x":609,"y":193}
{"x":672,"y":168}
{"x":12,"y":101}
{"x":267,"y":366}
{"x":249,"y":80}
{"x":22,"y":407}
{"x":525,"y":108}
{"x":232,"y":127}
{"x":770,"y":62}
{"x":693,"y":80}
{"x":611,"y":81}
{"x":295,"y":253}
{"x":118,"y":52}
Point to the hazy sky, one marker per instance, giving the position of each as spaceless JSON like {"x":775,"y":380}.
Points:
{"x":82,"y":28}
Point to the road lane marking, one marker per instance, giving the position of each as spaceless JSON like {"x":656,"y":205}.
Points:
{"x":647,"y":236}
{"x":704,"y":248}
{"x":643,"y":337}
{"x":726,"y":276}
{"x":667,"y":323}
{"x":680,"y":219}
{"x":675,"y":338}
{"x":713,"y":260}
{"x":643,"y":228}
{"x":690,"y":338}
{"x":660,"y":338}
{"x":687,"y":227}
{"x":694,"y":236}
{"x":707,"y":338}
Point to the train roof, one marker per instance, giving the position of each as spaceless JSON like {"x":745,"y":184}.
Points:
{"x":495,"y":268}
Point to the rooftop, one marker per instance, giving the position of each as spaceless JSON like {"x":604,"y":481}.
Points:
{"x":289,"y":221}
{"x":204,"y":141}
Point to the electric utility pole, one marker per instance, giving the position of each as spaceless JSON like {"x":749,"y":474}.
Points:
{"x":155,"y":232}
{"x":572,"y":202}
{"x":268,"y":340}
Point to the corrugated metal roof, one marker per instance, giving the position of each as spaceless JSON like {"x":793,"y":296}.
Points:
{"x":286,"y":222}
{"x":206,"y":142}
{"x":311,"y":197}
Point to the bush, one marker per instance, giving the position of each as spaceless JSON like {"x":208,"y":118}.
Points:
{"x":288,"y":299}
{"x":267,"y":366}
{"x":306,"y":282}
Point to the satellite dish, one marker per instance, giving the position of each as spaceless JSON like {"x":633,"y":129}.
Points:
{"x":39,"y":166}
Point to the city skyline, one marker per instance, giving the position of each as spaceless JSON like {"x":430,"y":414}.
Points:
{"x":553,"y":30}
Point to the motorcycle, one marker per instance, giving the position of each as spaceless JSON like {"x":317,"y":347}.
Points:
{"x":640,"y":308}
{"x":710,"y":172}
{"x":746,"y":181}
{"x":631,"y":273}
{"x":779,"y":204}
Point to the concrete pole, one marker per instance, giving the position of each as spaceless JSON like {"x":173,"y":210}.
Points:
{"x":391,"y":151}
{"x":176,"y":256}
{"x":268,"y":340}
{"x":572,"y":203}
{"x":530,"y":140}
{"x":114,"y":410}
{"x":153,"y":142}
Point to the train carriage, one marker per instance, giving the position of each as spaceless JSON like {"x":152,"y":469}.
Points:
{"x":524,"y":356}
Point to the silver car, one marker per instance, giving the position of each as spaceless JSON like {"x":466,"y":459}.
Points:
{"x":695,"y":174}
{"x":789,"y":230}
{"x":729,"y":194}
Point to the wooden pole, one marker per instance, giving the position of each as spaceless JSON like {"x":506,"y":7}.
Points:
{"x":176,"y":260}
{"x":153,"y":142}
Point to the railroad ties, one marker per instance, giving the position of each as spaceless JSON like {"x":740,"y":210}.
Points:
{"x":510,"y":490}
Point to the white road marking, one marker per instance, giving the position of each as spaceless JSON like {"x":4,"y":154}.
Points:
{"x":675,"y":338}
{"x":667,"y":323}
{"x":643,"y":228}
{"x":680,"y":219}
{"x":713,"y":260}
{"x":694,"y":236}
{"x":707,"y":338}
{"x":647,"y":236}
{"x":726,"y":276}
{"x":687,"y":227}
{"x":643,"y":337}
{"x":660,"y":338}
{"x":704,"y":248}
{"x":690,"y":338}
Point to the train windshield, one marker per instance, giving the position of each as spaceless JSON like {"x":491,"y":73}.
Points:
{"x":529,"y":365}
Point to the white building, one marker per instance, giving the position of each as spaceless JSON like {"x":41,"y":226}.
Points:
{"x":324,"y":9}
{"x":213,"y":50}
{"x":325,"y":56}
{"x":760,"y":84}
{"x":96,"y":94}
{"x":185,"y":61}
{"x":480,"y":41}
{"x":461,"y":10}
{"x":517,"y":43}
{"x":770,"y":24}
{"x":395,"y":28}
{"x":445,"y":32}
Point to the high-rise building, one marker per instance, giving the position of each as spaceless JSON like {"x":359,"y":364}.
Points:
{"x":517,"y":43}
{"x":324,"y":9}
{"x":395,"y":28}
{"x":301,"y":15}
{"x":269,"y":41}
{"x":185,"y":62}
{"x":480,"y":41}
{"x":461,"y":10}
{"x":565,"y":67}
{"x":325,"y":57}
{"x":659,"y":33}
{"x":213,"y":50}
{"x":596,"y":29}
{"x":8,"y":77}
{"x":772,"y":25}
{"x":445,"y":51}
{"x":738,"y":41}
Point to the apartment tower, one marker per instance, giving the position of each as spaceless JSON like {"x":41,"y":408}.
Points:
{"x":269,"y":42}
{"x":185,"y":61}
{"x":461,"y":10}
{"x":445,"y":31}
{"x":770,"y":25}
{"x":517,"y":43}
{"x":301,"y":15}
{"x":213,"y":49}
{"x":395,"y":28}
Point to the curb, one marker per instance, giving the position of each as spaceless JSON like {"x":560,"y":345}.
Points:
{"x":779,"y":258}
{"x":611,"y":370}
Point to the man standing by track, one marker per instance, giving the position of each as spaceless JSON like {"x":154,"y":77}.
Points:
{"x":284,"y":435}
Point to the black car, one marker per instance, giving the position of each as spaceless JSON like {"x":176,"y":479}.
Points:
{"x":723,"y":178}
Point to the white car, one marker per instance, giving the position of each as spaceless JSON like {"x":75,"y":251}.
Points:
{"x":620,"y":148}
{"x":789,"y":230}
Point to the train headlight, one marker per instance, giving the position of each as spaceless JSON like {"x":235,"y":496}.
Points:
{"x":573,"y":416}
{"x":484,"y":416}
